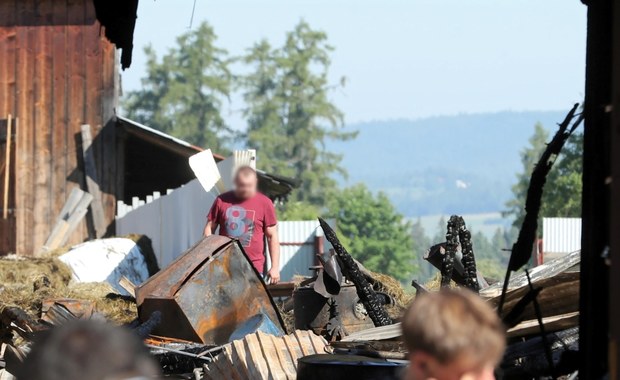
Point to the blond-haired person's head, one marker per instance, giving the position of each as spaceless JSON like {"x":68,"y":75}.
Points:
{"x":452,"y":335}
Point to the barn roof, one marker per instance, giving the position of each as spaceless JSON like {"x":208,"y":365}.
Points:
{"x":272,"y":185}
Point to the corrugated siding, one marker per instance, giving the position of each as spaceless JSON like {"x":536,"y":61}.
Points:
{"x":57,"y":72}
{"x":297,"y":250}
{"x":561,"y":235}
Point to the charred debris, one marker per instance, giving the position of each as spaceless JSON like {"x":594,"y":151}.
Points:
{"x":209,"y":314}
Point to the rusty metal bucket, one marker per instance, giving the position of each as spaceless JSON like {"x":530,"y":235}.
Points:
{"x":211,"y":294}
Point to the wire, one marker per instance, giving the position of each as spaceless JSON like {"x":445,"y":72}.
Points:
{"x":191,"y":20}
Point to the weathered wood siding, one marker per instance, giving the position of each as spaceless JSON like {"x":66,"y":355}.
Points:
{"x":57,"y":72}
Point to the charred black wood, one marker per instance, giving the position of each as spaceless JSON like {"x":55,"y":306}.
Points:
{"x":527,"y":359}
{"x":522,"y":248}
{"x":515,"y":315}
{"x":419,"y":288}
{"x":469,"y":259}
{"x":351,"y":271}
{"x":23,"y":322}
{"x":145,"y":329}
{"x":452,"y":243}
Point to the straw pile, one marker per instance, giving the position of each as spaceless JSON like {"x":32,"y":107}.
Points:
{"x":27,"y":282}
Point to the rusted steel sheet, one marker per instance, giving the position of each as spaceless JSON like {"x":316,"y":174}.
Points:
{"x":211,"y":294}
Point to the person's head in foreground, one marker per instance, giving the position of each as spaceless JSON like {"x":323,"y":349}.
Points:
{"x":246,"y":182}
{"x":88,"y":350}
{"x":452,"y":335}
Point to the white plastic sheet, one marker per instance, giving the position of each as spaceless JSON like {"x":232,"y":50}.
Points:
{"x":107,"y":260}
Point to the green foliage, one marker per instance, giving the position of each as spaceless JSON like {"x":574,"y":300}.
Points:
{"x":183,"y":92}
{"x":289,"y":114}
{"x":294,"y":210}
{"x":562,"y":193}
{"x":562,"y":196}
{"x":373,"y":231}
{"x":421,"y":243}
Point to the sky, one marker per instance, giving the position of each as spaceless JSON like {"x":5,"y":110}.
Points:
{"x":402,"y":58}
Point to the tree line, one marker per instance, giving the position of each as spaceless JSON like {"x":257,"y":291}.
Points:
{"x":289,"y":117}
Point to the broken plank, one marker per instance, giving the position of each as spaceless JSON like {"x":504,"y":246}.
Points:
{"x":92,"y":183}
{"x":129,"y":286}
{"x":7,"y":172}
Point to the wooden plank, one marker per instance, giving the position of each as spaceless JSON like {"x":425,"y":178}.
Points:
{"x":92,"y":183}
{"x":73,"y":221}
{"x":43,"y":192}
{"x":240,"y":358}
{"x":59,"y":151}
{"x":552,"y":324}
{"x":376,"y":333}
{"x":72,"y":201}
{"x":129,"y":286}
{"x":25,"y":40}
{"x":293,"y":348}
{"x":7,"y":166}
{"x":538,"y":273}
{"x":303,"y":343}
{"x":318,"y":343}
{"x":74,"y":212}
{"x":270,"y":354}
{"x":75,"y":98}
{"x":255,"y":360}
{"x":284,"y":357}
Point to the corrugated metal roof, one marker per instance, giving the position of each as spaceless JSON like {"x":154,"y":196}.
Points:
{"x":561,"y":235}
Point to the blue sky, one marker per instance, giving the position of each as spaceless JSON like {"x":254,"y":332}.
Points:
{"x":404,"y":58}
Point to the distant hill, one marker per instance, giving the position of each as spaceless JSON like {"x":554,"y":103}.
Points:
{"x":462,"y":164}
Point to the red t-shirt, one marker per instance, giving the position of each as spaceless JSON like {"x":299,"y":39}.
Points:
{"x":245,"y":220}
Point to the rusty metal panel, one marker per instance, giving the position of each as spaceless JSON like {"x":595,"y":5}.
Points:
{"x":211,"y":294}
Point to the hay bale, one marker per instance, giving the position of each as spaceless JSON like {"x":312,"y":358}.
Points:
{"x":26,"y":282}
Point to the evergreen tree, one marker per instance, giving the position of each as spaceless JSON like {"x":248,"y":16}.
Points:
{"x":421,"y":244}
{"x":440,"y":234}
{"x":373,"y":231}
{"x":290,"y":115}
{"x":183,"y":92}
{"x":562,"y":192}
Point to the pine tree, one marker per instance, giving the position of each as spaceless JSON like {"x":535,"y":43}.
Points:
{"x":183,"y":93}
{"x":562,"y":192}
{"x":290,"y":115}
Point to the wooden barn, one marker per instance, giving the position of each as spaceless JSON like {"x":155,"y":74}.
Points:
{"x":58,"y":71}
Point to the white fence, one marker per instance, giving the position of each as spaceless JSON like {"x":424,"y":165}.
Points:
{"x":174,"y":222}
{"x":561,"y":236}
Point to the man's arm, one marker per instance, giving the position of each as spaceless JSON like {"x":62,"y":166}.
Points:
{"x":273,"y":243}
{"x":210,"y":228}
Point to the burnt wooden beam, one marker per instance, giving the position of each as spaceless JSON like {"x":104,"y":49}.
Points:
{"x":522,"y":248}
{"x":351,"y":271}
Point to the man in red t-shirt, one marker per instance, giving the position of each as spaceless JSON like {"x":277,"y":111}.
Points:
{"x":249,"y":216}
